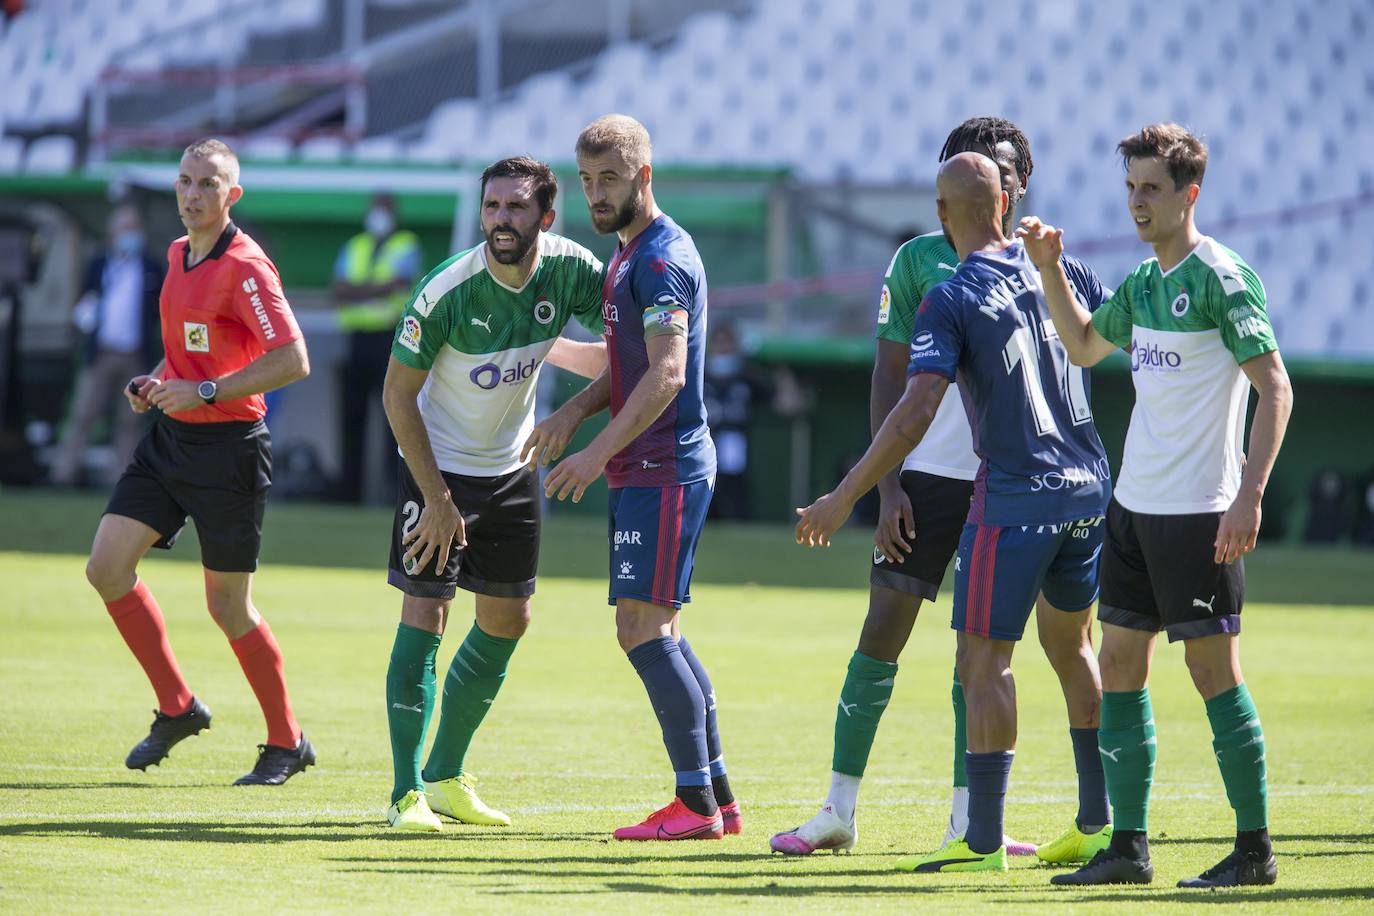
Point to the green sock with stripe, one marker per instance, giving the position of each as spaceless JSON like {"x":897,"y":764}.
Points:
{"x":1126,"y":742}
{"x":409,"y":704}
{"x":867,"y":689}
{"x":474,"y":678}
{"x":1238,"y":740}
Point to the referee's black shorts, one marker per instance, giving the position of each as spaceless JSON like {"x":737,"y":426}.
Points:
{"x":218,"y":474}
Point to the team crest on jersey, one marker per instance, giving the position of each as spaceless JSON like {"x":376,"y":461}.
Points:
{"x":544,"y":310}
{"x":410,"y":334}
{"x":884,"y":305}
{"x":197,"y":337}
{"x":1181,"y":304}
{"x":620,"y":273}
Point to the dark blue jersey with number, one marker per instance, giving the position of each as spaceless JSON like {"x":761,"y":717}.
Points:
{"x":988,"y":328}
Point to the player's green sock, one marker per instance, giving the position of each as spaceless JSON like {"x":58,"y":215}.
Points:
{"x":867,"y":689}
{"x":1238,"y":741}
{"x":474,"y":677}
{"x":409,"y":703}
{"x":956,"y":694}
{"x":1126,"y":741}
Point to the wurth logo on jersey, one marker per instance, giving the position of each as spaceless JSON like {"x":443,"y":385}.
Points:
{"x":250,"y":286}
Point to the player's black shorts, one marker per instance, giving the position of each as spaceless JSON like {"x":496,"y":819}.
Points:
{"x":216,"y":473}
{"x":940,"y":508}
{"x":501,"y":515}
{"x":1158,"y":574}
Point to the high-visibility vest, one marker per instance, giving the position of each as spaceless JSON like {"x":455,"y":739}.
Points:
{"x":368,"y":265}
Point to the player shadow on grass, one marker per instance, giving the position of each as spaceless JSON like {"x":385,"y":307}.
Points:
{"x":69,"y":786}
{"x":212,"y":831}
{"x":1232,"y":895}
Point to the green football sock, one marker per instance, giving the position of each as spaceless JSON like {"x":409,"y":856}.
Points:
{"x":956,"y":694}
{"x":1238,"y":741}
{"x":867,"y":689}
{"x":474,"y":677}
{"x":409,"y":703}
{"x":1126,"y":741}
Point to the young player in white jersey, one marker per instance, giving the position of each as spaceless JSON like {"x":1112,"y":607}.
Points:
{"x":460,"y":397}
{"x":1187,"y":507}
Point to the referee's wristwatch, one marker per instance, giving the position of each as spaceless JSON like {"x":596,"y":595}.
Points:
{"x":207,"y":390}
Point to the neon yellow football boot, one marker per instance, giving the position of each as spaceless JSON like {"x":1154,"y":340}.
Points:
{"x":457,"y":798}
{"x":412,"y":814}
{"x":1073,"y":845}
{"x":956,"y":856}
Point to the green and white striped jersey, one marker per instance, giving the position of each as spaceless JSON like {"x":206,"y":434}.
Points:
{"x":1188,"y":331}
{"x":483,"y":343}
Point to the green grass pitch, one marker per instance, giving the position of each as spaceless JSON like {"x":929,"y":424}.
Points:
{"x":571,"y":749}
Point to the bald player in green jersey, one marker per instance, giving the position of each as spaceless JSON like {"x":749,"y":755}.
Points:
{"x":1187,"y":503}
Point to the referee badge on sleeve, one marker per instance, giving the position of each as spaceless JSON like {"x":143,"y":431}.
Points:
{"x":197,"y":337}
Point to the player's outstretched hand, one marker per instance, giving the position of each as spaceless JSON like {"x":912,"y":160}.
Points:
{"x":549,"y":438}
{"x":439,"y":527}
{"x":176,"y":395}
{"x":1238,"y":530}
{"x":894,"y":518}
{"x":137,"y":391}
{"x":1044,"y":243}
{"x":573,"y":476}
{"x":822,"y":519}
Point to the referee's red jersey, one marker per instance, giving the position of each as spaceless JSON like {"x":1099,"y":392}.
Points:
{"x":219,"y":316}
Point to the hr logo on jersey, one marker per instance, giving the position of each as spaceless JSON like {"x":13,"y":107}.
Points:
{"x":1152,"y":357}
{"x":410,"y":334}
{"x":197,"y":337}
{"x":544,"y":310}
{"x":1180,"y":305}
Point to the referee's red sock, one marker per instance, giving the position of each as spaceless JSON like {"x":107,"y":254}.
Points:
{"x":261,"y":661}
{"x":139,"y":621}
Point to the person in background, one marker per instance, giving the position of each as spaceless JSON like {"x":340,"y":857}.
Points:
{"x":373,"y":276}
{"x":118,"y":317}
{"x":732,"y":392}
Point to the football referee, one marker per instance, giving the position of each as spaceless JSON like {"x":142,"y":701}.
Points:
{"x":229,"y":335}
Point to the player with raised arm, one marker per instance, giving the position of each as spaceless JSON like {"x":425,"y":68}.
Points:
{"x":659,"y":462}
{"x":923,"y":513}
{"x":228,"y":335}
{"x":1187,"y":507}
{"x":460,"y":396}
{"x":1035,"y":521}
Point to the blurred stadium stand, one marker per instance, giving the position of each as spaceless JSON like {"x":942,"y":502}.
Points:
{"x":855,"y":93}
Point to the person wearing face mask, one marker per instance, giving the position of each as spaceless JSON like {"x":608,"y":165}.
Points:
{"x":373,"y":275}
{"x":117,"y":316}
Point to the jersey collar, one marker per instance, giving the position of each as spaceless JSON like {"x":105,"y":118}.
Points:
{"x":1186,"y":257}
{"x":534,"y":269}
{"x":221,"y":246}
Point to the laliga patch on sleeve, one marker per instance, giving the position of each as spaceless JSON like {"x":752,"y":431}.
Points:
{"x":197,"y":337}
{"x":885,"y":305}
{"x":410,"y":334}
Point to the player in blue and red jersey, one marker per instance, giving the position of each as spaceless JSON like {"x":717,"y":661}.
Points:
{"x":659,"y":462}
{"x":1035,"y":523}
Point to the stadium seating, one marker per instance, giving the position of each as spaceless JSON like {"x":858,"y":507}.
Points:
{"x":866,"y":90}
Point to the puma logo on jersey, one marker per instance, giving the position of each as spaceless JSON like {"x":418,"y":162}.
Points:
{"x":479,"y":323}
{"x":943,"y":266}
{"x":1198,"y":602}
